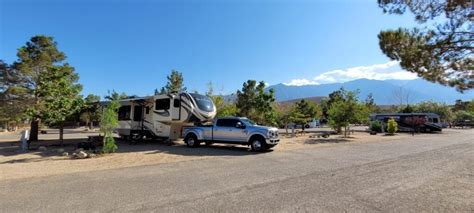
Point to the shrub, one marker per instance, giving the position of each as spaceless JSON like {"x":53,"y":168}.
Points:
{"x":109,"y":145}
{"x":392,"y":126}
{"x":376,"y":126}
{"x":108,"y":122}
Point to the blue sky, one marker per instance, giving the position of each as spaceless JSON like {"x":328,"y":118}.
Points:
{"x":131,"y":46}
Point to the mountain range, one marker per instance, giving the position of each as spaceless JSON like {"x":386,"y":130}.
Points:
{"x":384,"y":91}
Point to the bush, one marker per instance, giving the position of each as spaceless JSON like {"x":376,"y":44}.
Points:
{"x":108,"y":122}
{"x":392,"y":126}
{"x":376,"y":126}
{"x":109,"y":145}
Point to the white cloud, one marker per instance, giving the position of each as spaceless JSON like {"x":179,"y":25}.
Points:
{"x":389,"y":70}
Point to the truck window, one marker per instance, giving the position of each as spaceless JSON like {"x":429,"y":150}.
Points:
{"x":227,"y":122}
{"x":162,"y":104}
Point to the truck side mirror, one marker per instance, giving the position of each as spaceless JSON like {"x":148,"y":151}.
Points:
{"x":239,"y":125}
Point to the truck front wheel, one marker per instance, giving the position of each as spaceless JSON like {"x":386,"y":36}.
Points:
{"x":258,"y":144}
{"x":191,"y":141}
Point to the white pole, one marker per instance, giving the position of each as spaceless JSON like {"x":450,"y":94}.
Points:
{"x":24,"y":140}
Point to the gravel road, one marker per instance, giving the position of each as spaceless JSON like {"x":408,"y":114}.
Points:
{"x":427,"y":172}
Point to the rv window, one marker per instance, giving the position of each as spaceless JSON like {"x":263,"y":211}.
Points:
{"x":137,"y":113}
{"x":162,"y":104}
{"x":176,"y":103}
{"x":124,"y":113}
{"x":435,"y":120}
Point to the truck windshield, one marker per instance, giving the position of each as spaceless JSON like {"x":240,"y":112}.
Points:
{"x":203,"y":102}
{"x":248,"y":122}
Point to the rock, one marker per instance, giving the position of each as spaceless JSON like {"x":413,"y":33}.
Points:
{"x":42,"y":148}
{"x":92,"y":155}
{"x":78,"y":150}
{"x":60,"y":150}
{"x":65,"y":154}
{"x":81,"y":155}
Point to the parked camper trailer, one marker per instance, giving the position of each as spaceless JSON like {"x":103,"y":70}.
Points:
{"x":163,"y":116}
{"x":431,"y":121}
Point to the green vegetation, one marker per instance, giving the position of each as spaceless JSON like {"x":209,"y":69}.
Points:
{"x":91,"y":110}
{"x":116,"y":96}
{"x":223,"y":108}
{"x":443,"y":110}
{"x":440,"y":49}
{"x":108,"y":122}
{"x":14,"y":96}
{"x":42,"y":83}
{"x":346,"y":110}
{"x":304,"y":112}
{"x":256,"y":104}
{"x":392,"y":126}
{"x":59,"y":93}
{"x":175,"y":83}
{"x":376,"y":126}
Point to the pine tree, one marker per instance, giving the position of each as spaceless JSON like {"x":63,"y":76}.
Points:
{"x":441,"y":49}
{"x":39,"y":55}
{"x":256,"y":103}
{"x":175,"y":83}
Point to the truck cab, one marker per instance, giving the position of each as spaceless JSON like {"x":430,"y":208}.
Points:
{"x":232,"y":130}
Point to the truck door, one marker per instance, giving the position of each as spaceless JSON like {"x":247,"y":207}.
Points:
{"x":223,"y":130}
{"x":239,"y":133}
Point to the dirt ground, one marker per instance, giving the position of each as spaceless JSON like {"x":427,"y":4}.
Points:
{"x":15,"y":164}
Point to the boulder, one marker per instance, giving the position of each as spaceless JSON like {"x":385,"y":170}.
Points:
{"x":42,"y":148}
{"x":81,"y":155}
{"x":60,"y":150}
{"x":92,"y":155}
{"x":65,"y":154}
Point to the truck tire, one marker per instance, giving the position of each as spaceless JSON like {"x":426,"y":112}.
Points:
{"x":258,"y":144}
{"x":191,"y":140}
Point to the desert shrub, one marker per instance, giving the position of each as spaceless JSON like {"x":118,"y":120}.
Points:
{"x":392,"y":126}
{"x":376,"y":126}
{"x":108,"y":122}
{"x":109,"y":145}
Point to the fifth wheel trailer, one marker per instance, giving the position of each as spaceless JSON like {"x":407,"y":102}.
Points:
{"x":163,"y":116}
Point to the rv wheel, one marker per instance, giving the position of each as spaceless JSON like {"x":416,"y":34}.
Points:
{"x":191,"y":141}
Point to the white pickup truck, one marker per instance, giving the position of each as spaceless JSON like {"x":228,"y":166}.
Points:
{"x":232,"y":130}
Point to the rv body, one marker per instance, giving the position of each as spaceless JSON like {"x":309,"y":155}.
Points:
{"x":163,"y":116}
{"x":432,"y":121}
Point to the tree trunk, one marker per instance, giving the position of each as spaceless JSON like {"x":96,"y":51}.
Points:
{"x":345,"y":131}
{"x":61,"y":134}
{"x":34,"y":129}
{"x":91,"y":125}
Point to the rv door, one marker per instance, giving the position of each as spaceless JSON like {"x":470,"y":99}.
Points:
{"x":176,"y":109}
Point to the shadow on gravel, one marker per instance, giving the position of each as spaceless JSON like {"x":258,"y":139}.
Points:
{"x":212,"y":150}
{"x":326,"y":140}
{"x":11,"y":148}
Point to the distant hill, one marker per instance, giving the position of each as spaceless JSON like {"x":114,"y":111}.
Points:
{"x":313,"y":99}
{"x":290,"y":103}
{"x":382,"y":91}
